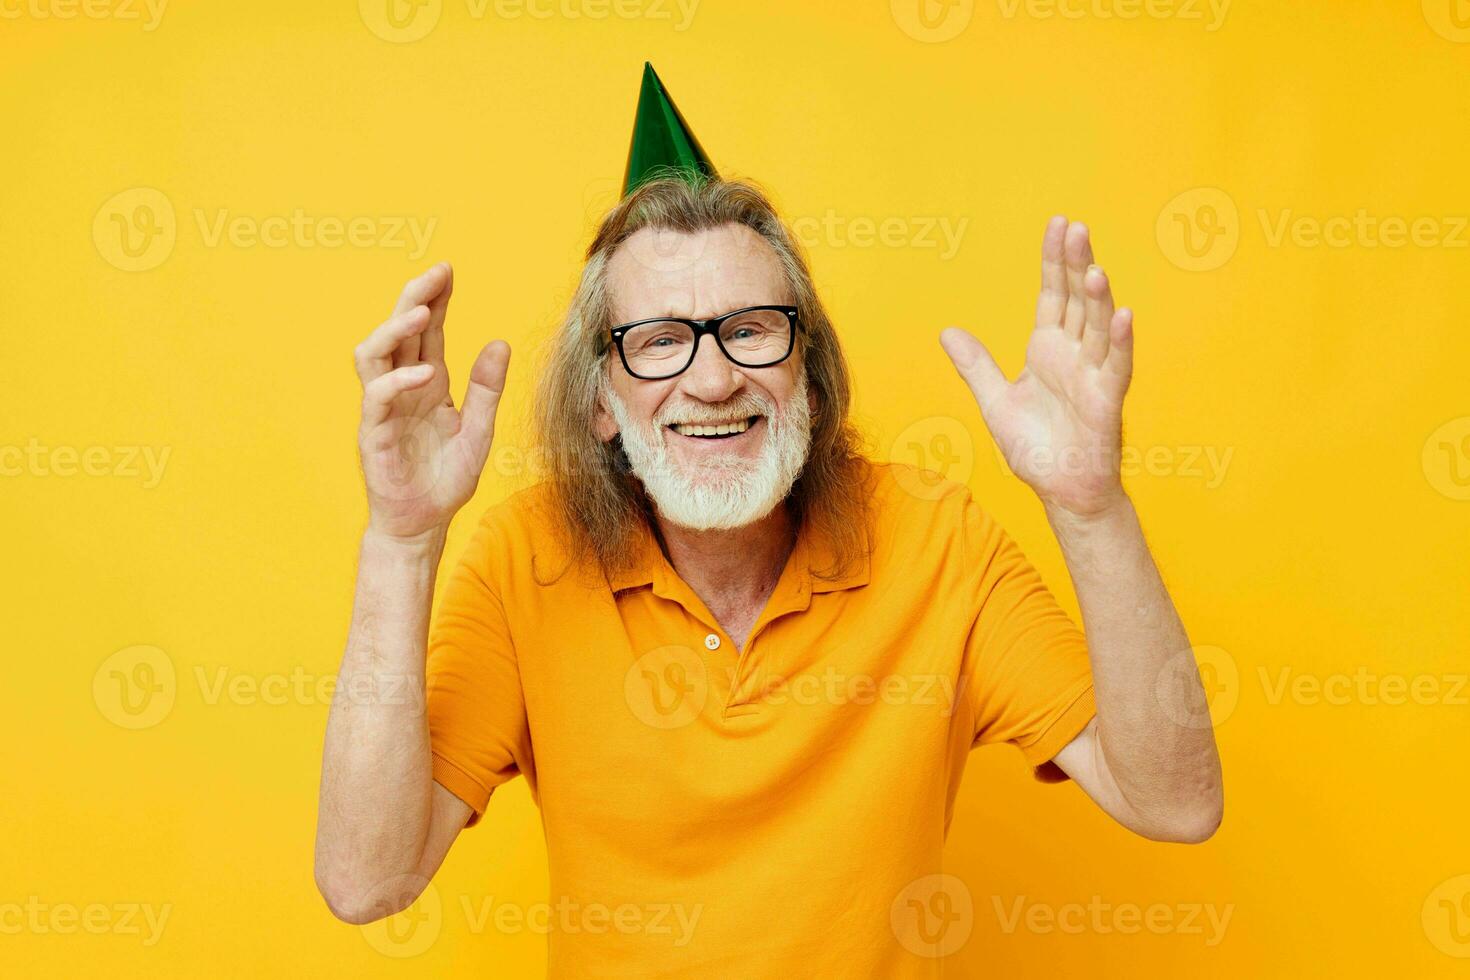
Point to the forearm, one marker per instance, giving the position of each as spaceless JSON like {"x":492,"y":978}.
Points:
{"x":1167,"y":771}
{"x":376,"y":789}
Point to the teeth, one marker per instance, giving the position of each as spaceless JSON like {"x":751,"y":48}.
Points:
{"x":723,"y":428}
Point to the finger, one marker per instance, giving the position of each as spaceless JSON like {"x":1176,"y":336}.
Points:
{"x":986,"y":380}
{"x":482,"y":397}
{"x":418,"y":292}
{"x":1099,"y":316}
{"x":1119,"y":364}
{"x":378,"y":394}
{"x":431,"y":341}
{"x":374,"y":356}
{"x":423,"y":287}
{"x":1051,"y":303}
{"x":1078,"y":251}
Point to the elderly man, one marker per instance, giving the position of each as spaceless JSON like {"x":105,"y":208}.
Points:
{"x":740,"y":665}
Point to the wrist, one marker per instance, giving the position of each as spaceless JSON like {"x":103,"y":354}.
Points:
{"x":1115,"y":510}
{"x":424,"y":545}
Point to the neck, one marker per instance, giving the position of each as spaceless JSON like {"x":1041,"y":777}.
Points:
{"x":734,"y":569}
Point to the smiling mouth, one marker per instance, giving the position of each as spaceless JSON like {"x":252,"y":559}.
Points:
{"x":721,"y":430}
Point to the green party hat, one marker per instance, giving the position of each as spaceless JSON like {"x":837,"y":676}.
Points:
{"x":661,"y":138}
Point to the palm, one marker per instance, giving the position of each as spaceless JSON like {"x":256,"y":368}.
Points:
{"x":414,"y":464}
{"x":1059,"y":424}
{"x":421,"y":458}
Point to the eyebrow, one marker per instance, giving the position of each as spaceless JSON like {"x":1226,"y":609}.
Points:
{"x":723,"y":312}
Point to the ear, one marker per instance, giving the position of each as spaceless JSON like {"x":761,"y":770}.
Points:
{"x":603,"y":422}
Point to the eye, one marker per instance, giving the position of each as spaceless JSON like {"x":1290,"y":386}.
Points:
{"x":747,"y":328}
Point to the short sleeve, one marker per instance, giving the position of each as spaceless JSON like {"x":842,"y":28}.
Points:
{"x":477,"y":715}
{"x":1026,"y":666}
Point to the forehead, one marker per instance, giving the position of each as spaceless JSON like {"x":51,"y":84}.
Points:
{"x":660,"y":272}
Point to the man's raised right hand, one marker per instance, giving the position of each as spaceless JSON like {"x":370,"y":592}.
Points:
{"x":422,"y":458}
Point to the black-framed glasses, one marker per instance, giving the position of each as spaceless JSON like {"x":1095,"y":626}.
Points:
{"x":660,"y":348}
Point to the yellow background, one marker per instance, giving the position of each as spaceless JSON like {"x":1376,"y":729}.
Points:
{"x":1333,"y":543}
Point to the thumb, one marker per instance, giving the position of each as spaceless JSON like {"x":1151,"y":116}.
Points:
{"x":986,"y":380}
{"x":482,"y":397}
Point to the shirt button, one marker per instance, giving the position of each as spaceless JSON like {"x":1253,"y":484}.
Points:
{"x":712,"y":642}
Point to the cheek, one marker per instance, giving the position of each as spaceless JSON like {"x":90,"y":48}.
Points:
{"x":787,"y":389}
{"x":640,"y":401}
{"x":645,"y":401}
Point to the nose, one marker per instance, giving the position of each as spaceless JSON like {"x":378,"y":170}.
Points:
{"x":712,"y":377}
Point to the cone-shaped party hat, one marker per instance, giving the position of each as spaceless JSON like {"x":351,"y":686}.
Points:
{"x":661,"y":138}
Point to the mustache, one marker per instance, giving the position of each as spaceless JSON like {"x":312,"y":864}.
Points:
{"x":737,"y":408}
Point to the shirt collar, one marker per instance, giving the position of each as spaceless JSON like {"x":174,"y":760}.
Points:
{"x":814,"y":552}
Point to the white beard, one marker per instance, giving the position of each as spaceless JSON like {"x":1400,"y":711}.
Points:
{"x":723,"y":491}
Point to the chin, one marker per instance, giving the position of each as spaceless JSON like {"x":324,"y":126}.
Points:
{"x":712,"y":501}
{"x":707,"y":523}
{"x":723,"y":473}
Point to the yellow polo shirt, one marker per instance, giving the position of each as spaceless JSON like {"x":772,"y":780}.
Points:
{"x":777,"y":811}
